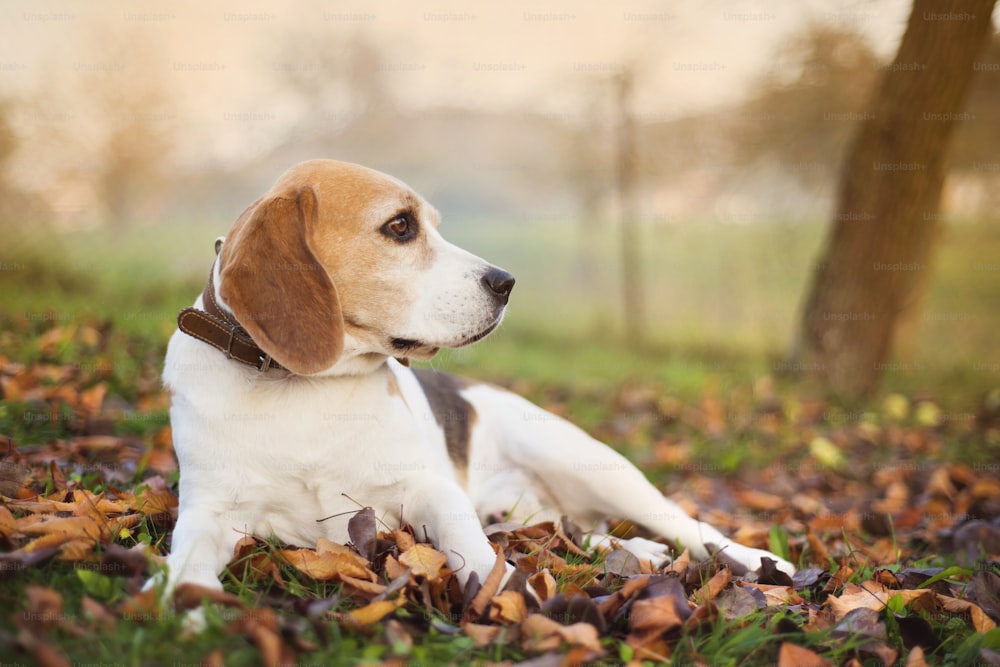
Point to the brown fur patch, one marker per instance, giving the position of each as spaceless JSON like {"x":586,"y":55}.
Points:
{"x":454,"y":414}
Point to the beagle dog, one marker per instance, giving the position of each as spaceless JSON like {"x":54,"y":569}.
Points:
{"x":293,"y":404}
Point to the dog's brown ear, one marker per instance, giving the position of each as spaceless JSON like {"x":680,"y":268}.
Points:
{"x":277,"y":288}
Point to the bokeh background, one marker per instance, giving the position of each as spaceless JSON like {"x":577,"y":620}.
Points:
{"x":132,"y":134}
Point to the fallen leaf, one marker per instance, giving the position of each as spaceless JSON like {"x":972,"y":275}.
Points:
{"x":423,"y":561}
{"x":99,"y":614}
{"x":190,"y":596}
{"x":612,"y":603}
{"x":980,"y":621}
{"x":544,"y":585}
{"x":155,"y":497}
{"x":482,"y":635}
{"x":328,"y":564}
{"x":477,"y":606}
{"x":371,"y":613}
{"x":775,"y":596}
{"x":45,"y":607}
{"x":362,"y":529}
{"x":714,"y":586}
{"x":661,"y":607}
{"x":508,"y":607}
{"x":568,"y":609}
{"x":540,"y":634}
{"x":792,"y":655}
{"x":737,"y":602}
{"x":984,"y":590}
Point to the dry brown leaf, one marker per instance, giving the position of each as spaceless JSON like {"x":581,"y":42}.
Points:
{"x":737,"y":602}
{"x":53,"y":531}
{"x":791,"y":655}
{"x":75,"y":550}
{"x":680,"y":564}
{"x":873,"y":595}
{"x":260,"y":625}
{"x":45,"y":606}
{"x":659,"y":615}
{"x":100,"y":615}
{"x":482,"y":635}
{"x":328,"y":564}
{"x":142,"y":607}
{"x":819,"y":553}
{"x":44,"y":655}
{"x":477,"y":607}
{"x":369,"y":588}
{"x":8,"y":525}
{"x":940,"y":484}
{"x":986,"y":488}
{"x":155,"y":497}
{"x":980,"y":621}
{"x":90,"y":400}
{"x":508,"y":607}
{"x":190,"y":596}
{"x":393,"y":569}
{"x":216,"y":658}
{"x":403,"y":539}
{"x":775,"y":595}
{"x":424,"y":561}
{"x":714,"y":586}
{"x":371,"y":613}
{"x":611,"y":604}
{"x":540,"y":634}
{"x":544,"y":585}
{"x":761,"y":501}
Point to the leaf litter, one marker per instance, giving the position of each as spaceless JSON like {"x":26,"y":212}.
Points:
{"x":862,"y":505}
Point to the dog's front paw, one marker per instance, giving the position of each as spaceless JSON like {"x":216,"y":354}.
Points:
{"x":741,"y":559}
{"x":646,"y":550}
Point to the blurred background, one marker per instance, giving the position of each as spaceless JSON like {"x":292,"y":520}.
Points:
{"x":132,"y":134}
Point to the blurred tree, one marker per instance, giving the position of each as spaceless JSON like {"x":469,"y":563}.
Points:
{"x":804,"y":108}
{"x":586,"y":156}
{"x":876,"y":260}
{"x":341,"y":86}
{"x":626,"y":184}
{"x":102,"y":130}
{"x":977,"y":144}
{"x":136,"y":147}
{"x":15,"y":204}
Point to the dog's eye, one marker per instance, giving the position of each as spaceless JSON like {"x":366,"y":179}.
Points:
{"x":400,"y":228}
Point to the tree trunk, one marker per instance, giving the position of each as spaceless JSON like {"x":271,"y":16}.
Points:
{"x":877,"y":257}
{"x":626,"y":168}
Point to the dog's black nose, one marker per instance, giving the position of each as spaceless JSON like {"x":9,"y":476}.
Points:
{"x":499,"y":282}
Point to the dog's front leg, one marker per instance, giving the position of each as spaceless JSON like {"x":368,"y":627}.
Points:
{"x":443,"y":509}
{"x":202,"y":546}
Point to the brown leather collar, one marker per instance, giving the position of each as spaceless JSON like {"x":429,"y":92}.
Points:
{"x":221,"y":330}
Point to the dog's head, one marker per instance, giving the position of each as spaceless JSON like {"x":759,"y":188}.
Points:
{"x":339,"y":259}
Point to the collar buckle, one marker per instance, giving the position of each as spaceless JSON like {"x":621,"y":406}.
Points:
{"x":264,"y":362}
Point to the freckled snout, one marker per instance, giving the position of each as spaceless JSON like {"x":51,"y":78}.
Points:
{"x":498,"y":283}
